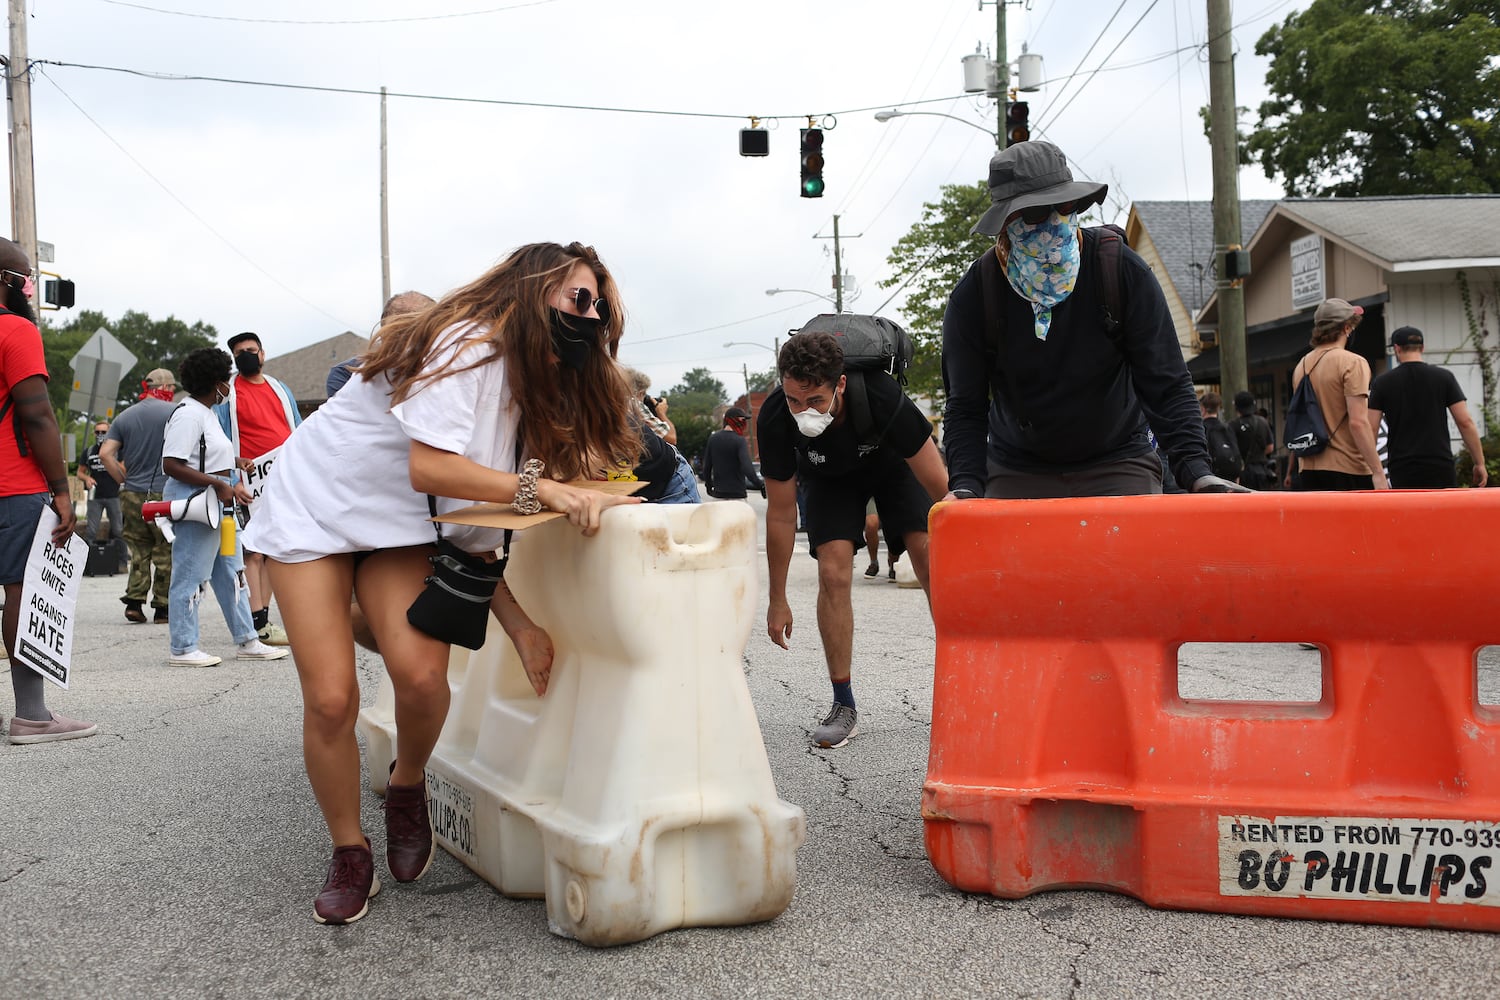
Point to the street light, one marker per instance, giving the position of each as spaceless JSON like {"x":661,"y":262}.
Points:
{"x":885,"y":116}
{"x":804,"y":291}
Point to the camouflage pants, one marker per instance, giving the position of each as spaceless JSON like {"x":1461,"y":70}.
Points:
{"x":148,"y":551}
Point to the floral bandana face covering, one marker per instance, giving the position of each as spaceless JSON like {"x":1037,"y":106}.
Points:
{"x":1043,"y":262}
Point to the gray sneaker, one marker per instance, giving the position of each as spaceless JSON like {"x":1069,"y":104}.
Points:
{"x":837,"y":728}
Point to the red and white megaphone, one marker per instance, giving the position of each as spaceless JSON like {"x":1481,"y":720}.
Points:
{"x":202,"y":507}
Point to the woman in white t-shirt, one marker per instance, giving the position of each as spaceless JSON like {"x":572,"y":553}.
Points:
{"x":448,"y":401}
{"x":197,"y":456}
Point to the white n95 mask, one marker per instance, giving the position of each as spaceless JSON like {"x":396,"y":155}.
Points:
{"x":811,"y":422}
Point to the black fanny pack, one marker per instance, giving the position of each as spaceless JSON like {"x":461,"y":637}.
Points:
{"x":455,"y":605}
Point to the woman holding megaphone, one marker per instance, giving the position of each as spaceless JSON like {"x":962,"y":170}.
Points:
{"x":198,"y":460}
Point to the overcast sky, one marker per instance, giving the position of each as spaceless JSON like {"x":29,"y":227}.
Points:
{"x":257,"y":208}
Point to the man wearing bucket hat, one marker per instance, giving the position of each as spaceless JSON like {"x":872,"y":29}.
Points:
{"x":1060,"y":359}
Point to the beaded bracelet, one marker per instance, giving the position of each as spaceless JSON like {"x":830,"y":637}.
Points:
{"x":526,"y":501}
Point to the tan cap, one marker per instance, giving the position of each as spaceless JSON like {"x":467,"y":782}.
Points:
{"x":159,"y":377}
{"x":1336,"y":311}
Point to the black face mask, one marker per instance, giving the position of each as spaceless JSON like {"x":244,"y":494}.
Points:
{"x":248,"y":362}
{"x":17,"y":302}
{"x":574,"y":339}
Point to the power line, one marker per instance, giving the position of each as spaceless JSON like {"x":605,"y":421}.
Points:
{"x":1054,"y":115}
{"x":189,"y":209}
{"x":367,"y":92}
{"x":278,"y":20}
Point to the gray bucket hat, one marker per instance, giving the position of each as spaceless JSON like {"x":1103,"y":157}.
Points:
{"x":1028,"y":174}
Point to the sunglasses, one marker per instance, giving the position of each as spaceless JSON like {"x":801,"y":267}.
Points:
{"x":1038,"y":214}
{"x":583,"y":299}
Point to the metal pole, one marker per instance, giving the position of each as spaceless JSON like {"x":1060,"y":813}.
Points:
{"x":1002,"y":70}
{"x":749,"y":407}
{"x":385,"y":215}
{"x":1233,"y":375}
{"x":838,"y":274}
{"x":23,"y":179}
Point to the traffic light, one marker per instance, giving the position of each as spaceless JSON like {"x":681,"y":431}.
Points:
{"x":812,"y":163}
{"x":57,"y":292}
{"x":1017,"y":114}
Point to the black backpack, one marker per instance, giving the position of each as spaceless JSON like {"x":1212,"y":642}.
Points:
{"x":1223,"y":452}
{"x":874,"y":347}
{"x":1306,"y":432}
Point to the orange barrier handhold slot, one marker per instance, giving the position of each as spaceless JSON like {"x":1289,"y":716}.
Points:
{"x":1062,"y":754}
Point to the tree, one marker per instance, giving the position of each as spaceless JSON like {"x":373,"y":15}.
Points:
{"x":691,"y":405}
{"x":1388,"y":97}
{"x":930,"y":260}
{"x":155,"y":344}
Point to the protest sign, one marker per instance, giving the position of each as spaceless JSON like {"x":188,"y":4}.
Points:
{"x":49,"y":597}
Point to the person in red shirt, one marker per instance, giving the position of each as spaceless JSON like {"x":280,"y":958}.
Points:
{"x":32,"y":476}
{"x":259,"y":415}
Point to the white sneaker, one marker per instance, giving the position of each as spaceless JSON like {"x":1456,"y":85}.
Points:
{"x":194,"y":658}
{"x":257,"y":650}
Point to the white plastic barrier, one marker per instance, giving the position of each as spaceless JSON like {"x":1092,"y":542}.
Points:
{"x":636,"y":795}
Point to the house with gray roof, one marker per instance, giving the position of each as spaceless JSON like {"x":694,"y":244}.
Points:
{"x":1429,"y":261}
{"x":1176,"y":238}
{"x":305,"y":371}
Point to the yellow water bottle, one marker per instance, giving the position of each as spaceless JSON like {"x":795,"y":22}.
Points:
{"x":226,"y":531}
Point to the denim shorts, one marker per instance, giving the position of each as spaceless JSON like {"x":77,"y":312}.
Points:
{"x":19,"y":516}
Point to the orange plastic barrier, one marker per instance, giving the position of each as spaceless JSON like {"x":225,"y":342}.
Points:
{"x":1063,"y":756}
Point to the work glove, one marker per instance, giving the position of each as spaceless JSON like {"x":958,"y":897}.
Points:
{"x":1213,"y":484}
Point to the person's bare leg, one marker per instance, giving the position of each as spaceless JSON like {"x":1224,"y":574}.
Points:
{"x":872,"y":543}
{"x":916,"y":551}
{"x":533,"y":644}
{"x":835,"y":607}
{"x":258,"y":577}
{"x":317,"y":625}
{"x":387,"y":583}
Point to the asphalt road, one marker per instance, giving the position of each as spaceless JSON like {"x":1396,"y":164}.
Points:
{"x":176,"y":854}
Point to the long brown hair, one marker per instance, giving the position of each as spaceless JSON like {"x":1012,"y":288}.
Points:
{"x":577,"y":422}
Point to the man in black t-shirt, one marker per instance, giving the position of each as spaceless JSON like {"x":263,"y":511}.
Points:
{"x":1252,"y":432}
{"x":104,"y":492}
{"x":728,"y":472}
{"x":1415,"y":399}
{"x":807,"y":432}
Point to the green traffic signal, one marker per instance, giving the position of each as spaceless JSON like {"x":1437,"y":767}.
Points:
{"x":812,"y":163}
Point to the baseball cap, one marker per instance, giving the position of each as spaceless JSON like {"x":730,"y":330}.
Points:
{"x":1028,"y":174}
{"x":735,"y":413}
{"x":1336,"y":311}
{"x":1406,"y":336}
{"x":1244,"y":401}
{"x":159,"y":377}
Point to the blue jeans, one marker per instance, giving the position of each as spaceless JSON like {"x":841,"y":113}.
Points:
{"x":684,"y":485}
{"x":195,"y":562}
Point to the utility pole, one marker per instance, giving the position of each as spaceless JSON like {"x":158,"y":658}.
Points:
{"x":838,"y":265}
{"x":1002,"y":69}
{"x":18,"y":93}
{"x":750,"y":407}
{"x":838,"y":272}
{"x":385,"y":215}
{"x":1224,"y":142}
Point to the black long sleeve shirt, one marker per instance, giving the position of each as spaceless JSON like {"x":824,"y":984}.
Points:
{"x":1077,"y":399}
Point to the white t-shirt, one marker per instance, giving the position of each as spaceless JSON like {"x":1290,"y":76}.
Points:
{"x":189,"y":424}
{"x":343,"y":480}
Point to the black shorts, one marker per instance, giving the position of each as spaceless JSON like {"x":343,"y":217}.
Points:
{"x":836,"y":507}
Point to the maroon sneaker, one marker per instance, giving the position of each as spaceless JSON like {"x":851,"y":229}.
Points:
{"x":350,"y":886}
{"x":408,"y":830}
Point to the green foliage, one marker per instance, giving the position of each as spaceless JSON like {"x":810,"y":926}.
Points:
{"x":700,"y":380}
{"x":691,"y":404}
{"x":1491,"y":446}
{"x":155,"y":343}
{"x":929,"y":260}
{"x":1382,"y":97}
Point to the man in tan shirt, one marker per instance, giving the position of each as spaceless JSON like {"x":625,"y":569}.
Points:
{"x":1341,"y":380}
